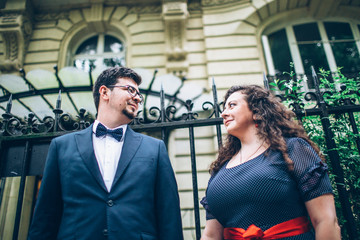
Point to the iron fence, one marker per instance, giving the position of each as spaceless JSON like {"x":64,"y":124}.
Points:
{"x":24,"y":142}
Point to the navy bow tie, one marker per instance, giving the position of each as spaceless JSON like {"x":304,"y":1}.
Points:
{"x":101,"y":130}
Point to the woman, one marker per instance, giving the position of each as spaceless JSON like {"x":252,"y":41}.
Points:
{"x":269,"y":177}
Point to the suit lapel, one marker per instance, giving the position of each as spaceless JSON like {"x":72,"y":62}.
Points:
{"x":130,"y":147}
{"x":85,"y":146}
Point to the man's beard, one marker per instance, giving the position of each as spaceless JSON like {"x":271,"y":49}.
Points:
{"x":130,"y":114}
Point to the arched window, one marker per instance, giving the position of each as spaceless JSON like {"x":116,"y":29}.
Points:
{"x":101,"y":50}
{"x":323,"y":44}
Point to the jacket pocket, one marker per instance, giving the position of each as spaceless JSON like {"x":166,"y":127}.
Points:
{"x":147,"y":236}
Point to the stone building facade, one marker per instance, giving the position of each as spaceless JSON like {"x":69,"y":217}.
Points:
{"x":233,"y":41}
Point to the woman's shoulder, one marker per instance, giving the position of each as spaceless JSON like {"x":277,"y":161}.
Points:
{"x":296,"y":141}
{"x":301,"y":152}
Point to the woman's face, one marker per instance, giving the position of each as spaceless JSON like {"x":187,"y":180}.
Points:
{"x":237,"y":115}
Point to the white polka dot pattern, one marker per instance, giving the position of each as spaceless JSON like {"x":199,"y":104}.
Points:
{"x":261,"y":191}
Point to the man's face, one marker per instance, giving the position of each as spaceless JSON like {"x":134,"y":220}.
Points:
{"x":120,"y":98}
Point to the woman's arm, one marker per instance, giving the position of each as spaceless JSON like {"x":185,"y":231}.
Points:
{"x":323,"y":217}
{"x":213,"y":230}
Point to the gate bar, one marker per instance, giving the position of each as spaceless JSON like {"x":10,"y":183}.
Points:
{"x":335,"y":163}
{"x":194,"y":182}
{"x":355,"y":130}
{"x":24,"y":171}
{"x":217,"y":113}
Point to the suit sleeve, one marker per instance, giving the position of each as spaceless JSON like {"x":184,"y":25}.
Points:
{"x":167,"y":199}
{"x":48,"y":208}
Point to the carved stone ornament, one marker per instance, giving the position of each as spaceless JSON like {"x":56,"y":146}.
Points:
{"x":175,"y":15}
{"x":145,"y":9}
{"x":194,"y":7}
{"x":95,"y":18}
{"x":51,"y":16}
{"x":222,"y":2}
{"x":16,"y":30}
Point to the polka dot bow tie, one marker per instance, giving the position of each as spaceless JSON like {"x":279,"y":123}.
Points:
{"x":101,"y":130}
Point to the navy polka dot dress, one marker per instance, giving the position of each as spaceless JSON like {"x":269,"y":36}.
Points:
{"x":261,"y":191}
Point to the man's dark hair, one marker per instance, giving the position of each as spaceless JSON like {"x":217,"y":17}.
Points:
{"x":109,"y":77}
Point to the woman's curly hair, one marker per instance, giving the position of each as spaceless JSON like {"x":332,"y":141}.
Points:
{"x":275,"y":123}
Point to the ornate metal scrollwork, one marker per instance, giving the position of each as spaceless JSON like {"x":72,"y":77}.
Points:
{"x":30,"y":124}
{"x":137,"y":120}
{"x":47,"y":124}
{"x":213,"y":107}
{"x":190,"y":115}
{"x":156,"y":113}
{"x":63,"y":122}
{"x":349,"y":100}
{"x":83,"y":120}
{"x":205,"y":108}
{"x":170,"y":112}
{"x":297,"y":107}
{"x":13,"y":127}
{"x":66,"y":122}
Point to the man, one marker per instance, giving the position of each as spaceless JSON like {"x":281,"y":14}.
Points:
{"x":98,"y":184}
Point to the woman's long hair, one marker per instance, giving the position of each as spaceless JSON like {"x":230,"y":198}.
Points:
{"x":275,"y":123}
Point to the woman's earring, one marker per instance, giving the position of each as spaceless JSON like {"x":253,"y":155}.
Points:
{"x":256,"y":122}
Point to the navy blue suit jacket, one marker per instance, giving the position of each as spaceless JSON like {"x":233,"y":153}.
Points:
{"x":73,"y":202}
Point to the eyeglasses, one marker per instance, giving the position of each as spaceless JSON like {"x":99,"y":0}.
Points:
{"x":132,"y":91}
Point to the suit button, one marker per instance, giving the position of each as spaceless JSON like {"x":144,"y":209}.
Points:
{"x":105,"y":232}
{"x":110,"y":203}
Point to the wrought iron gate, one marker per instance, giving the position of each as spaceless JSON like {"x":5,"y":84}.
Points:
{"x":24,"y":145}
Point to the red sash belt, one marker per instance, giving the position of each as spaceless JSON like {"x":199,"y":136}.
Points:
{"x":289,"y":228}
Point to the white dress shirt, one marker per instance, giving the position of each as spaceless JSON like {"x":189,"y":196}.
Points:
{"x":107,"y":152}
